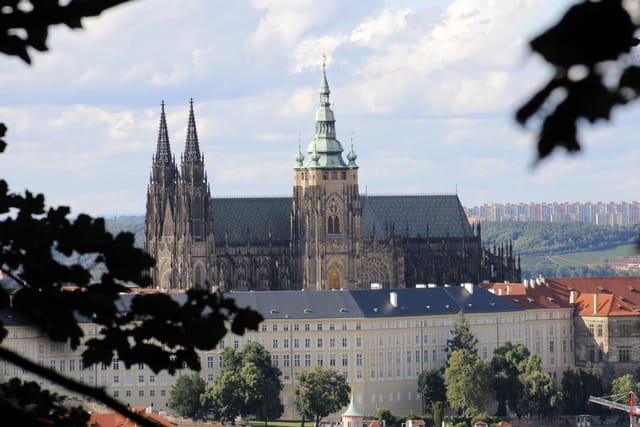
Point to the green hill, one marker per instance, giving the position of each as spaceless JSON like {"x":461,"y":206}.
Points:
{"x":564,"y":249}
{"x":130,"y":223}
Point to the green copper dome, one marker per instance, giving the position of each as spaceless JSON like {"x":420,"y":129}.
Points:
{"x":325,"y":151}
{"x":299,"y":157}
{"x":352,"y":411}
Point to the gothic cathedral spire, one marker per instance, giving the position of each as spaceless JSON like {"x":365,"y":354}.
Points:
{"x":161,"y":208}
{"x":192,"y":148}
{"x":179,"y":218}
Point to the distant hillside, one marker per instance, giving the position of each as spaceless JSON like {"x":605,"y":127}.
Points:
{"x":548,"y":238}
{"x":131,"y":223}
{"x":551,"y":249}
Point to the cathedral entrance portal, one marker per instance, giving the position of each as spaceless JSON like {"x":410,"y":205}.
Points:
{"x":334,"y":277}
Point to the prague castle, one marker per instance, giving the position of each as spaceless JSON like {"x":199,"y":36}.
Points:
{"x":326,"y":236}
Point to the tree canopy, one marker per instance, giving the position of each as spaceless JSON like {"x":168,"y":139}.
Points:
{"x":577,"y":385}
{"x":540,"y":395}
{"x":508,"y":363}
{"x":469,"y":382}
{"x":320,"y":392}
{"x":461,"y":337}
{"x":184,"y":397}
{"x":248,"y":385}
{"x":431,"y":387}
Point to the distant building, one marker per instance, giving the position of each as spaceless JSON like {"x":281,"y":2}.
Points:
{"x":380,"y":340}
{"x":605,"y":326}
{"x":326,"y":236}
{"x":599,"y":213}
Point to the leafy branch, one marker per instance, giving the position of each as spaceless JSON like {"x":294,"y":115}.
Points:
{"x":589,"y":50}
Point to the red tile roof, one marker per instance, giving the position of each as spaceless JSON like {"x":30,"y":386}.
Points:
{"x":607,"y":305}
{"x":531,"y":296}
{"x":617,"y":296}
{"x":625,"y":288}
{"x":114,"y":419}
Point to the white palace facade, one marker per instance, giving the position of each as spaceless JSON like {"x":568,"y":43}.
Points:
{"x":380,"y":339}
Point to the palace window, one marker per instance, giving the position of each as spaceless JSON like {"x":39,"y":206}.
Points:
{"x":625,"y":329}
{"x":624,"y":355}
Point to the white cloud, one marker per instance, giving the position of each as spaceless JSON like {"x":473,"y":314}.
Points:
{"x":386,"y":23}
{"x":301,"y":104}
{"x":284,"y":21}
{"x":429,"y":92}
{"x":308,"y":53}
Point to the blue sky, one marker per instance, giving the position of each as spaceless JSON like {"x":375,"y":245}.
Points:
{"x":426,"y":90}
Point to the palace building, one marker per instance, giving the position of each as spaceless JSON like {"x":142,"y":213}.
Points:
{"x":327,"y":235}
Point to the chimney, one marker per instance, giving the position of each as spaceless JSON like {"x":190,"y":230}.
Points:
{"x":468,"y":287}
{"x":508,"y":290}
{"x":595,"y":303}
{"x":393,"y":299}
{"x":572,"y":297}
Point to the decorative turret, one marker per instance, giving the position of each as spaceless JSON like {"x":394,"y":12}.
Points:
{"x":299,"y":157}
{"x":352,"y":156}
{"x":352,"y":417}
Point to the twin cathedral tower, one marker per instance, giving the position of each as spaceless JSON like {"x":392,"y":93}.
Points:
{"x":326,"y":236}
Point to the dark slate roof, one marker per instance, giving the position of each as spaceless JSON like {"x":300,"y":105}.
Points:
{"x":372,"y":303}
{"x":243,"y":218}
{"x":250,"y":218}
{"x":430,"y":301}
{"x":435,"y":215}
{"x":344,"y":304}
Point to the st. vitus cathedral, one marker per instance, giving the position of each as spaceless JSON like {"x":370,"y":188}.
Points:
{"x":326,"y":236}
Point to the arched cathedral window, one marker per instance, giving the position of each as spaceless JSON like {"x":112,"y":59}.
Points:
{"x":333,"y":220}
{"x":198,"y":278}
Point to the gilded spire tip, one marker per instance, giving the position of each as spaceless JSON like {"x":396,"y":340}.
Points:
{"x":324,"y":61}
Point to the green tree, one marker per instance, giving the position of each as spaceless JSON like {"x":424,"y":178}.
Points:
{"x":431,"y":387}
{"x":623,"y":385}
{"x":262,"y":383}
{"x":385,"y":415}
{"x":508,"y":363}
{"x":577,"y":385}
{"x":248,"y":385}
{"x":461,"y":337}
{"x":589,"y":50}
{"x":320,"y":392}
{"x":438,"y":413}
{"x":39,"y":252}
{"x":468,"y":380}
{"x":540,"y":396}
{"x":184,"y":397}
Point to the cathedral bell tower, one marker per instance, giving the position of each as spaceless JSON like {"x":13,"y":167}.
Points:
{"x":179,"y":217}
{"x":326,"y":216}
{"x":160,"y":230}
{"x":195,"y":222}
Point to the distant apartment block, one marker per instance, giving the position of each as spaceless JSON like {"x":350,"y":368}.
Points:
{"x":600,"y":213}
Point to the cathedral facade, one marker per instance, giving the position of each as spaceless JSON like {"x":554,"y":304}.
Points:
{"x":326,"y":236}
